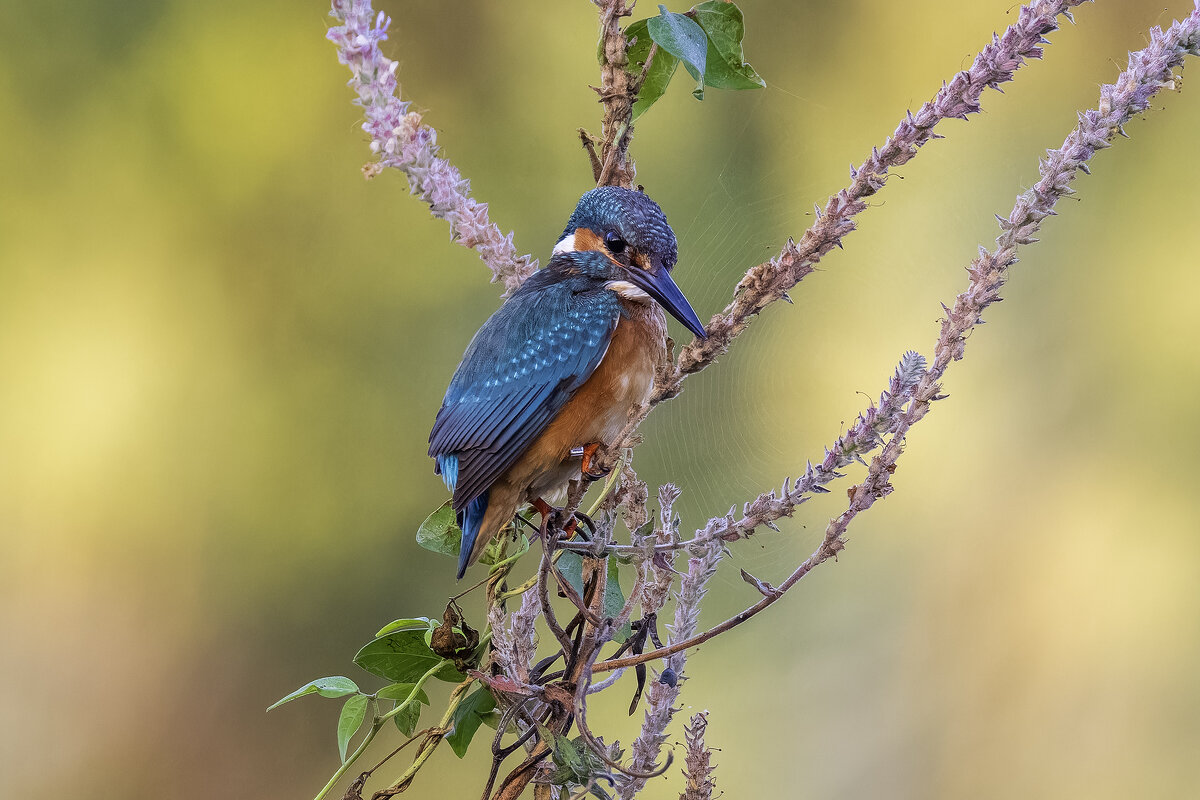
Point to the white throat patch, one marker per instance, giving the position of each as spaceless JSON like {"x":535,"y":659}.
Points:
{"x":566,"y":244}
{"x":628,"y":291}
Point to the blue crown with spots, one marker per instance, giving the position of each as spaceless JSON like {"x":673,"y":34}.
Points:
{"x":632,"y":216}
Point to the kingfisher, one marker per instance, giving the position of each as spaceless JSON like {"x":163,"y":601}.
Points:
{"x":554,"y":374}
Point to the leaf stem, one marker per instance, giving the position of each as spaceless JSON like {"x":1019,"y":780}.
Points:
{"x":376,"y":724}
{"x":520,"y":590}
{"x":641,"y":79}
{"x":416,"y":690}
{"x":523,"y":548}
{"x":432,"y":740}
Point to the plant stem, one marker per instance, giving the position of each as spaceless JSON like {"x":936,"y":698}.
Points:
{"x":509,"y":560}
{"x":432,"y":740}
{"x":827,"y":549}
{"x":376,"y":724}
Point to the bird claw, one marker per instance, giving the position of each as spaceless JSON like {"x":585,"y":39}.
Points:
{"x":572,"y":525}
{"x":588,"y":453}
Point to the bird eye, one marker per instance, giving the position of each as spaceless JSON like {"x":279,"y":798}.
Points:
{"x":615,"y":244}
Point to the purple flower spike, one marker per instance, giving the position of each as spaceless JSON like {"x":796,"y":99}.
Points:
{"x":762,"y":285}
{"x":399,"y":139}
{"x":1150,"y":70}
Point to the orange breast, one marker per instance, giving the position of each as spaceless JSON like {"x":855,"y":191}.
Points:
{"x":600,"y":408}
{"x":623,"y":380}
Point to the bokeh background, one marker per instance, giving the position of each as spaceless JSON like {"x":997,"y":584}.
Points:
{"x":221,"y":351}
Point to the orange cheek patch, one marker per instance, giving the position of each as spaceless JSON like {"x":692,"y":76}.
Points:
{"x":641,"y":261}
{"x":586,"y":239}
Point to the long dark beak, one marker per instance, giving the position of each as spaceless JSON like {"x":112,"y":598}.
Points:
{"x":658,"y":284}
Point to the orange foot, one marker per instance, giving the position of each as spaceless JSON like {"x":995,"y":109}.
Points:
{"x":571,"y":528}
{"x":546,"y":510}
{"x":589,"y":453}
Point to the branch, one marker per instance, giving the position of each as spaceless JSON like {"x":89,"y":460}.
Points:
{"x":770,"y":281}
{"x":1149,"y":71}
{"x":399,"y":139}
{"x":617,"y":92}
{"x":432,"y":739}
{"x":826,"y":550}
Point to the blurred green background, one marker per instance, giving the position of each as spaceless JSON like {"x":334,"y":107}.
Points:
{"x":221,"y":351}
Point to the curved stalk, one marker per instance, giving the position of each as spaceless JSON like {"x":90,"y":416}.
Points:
{"x":378,"y":723}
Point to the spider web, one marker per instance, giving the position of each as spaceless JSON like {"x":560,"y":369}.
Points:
{"x":719,"y":440}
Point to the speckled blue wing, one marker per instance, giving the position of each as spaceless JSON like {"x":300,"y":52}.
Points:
{"x":519,"y":371}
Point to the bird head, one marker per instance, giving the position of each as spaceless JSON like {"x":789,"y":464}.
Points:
{"x":632,"y":231}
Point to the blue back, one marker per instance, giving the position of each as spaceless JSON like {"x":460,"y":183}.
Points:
{"x":521,"y":368}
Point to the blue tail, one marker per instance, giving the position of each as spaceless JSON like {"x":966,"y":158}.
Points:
{"x":469,"y":520}
{"x":447,"y":467}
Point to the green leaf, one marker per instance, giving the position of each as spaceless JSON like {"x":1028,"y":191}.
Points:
{"x":574,"y":761}
{"x":400,"y":692}
{"x":353,"y":714}
{"x":408,"y":717}
{"x":614,"y":600}
{"x":336,"y":686}
{"x":570,"y":564}
{"x":492,"y":720}
{"x":406,"y":720}
{"x":684,"y":39}
{"x":414,"y":623}
{"x":569,"y":756}
{"x":403,"y":657}
{"x":662,"y":68}
{"x":440,"y":533}
{"x":724,"y":26}
{"x":467,"y":719}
